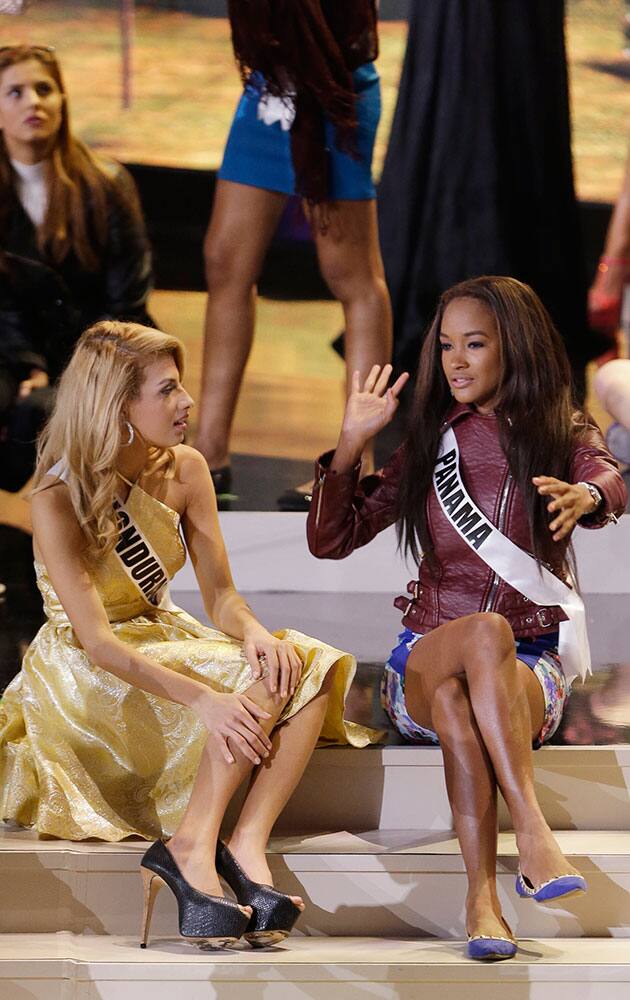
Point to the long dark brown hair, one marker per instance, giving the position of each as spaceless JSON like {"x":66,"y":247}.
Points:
{"x":77,"y":214}
{"x":316,"y":44}
{"x":537,"y":418}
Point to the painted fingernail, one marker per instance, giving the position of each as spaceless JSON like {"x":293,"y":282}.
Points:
{"x":256,"y":760}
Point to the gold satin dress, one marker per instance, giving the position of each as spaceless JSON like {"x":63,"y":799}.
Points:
{"x":84,"y":754}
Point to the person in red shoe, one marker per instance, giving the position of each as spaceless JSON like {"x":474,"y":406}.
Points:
{"x":497,"y":469}
{"x":613,"y":270}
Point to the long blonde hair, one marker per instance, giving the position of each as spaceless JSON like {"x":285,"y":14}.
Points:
{"x":80,"y":187}
{"x":87,"y":430}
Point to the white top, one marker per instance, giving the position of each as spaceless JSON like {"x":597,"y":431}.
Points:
{"x":32,"y":189}
{"x":60,"y":470}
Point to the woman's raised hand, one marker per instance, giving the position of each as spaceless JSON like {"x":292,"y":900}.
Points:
{"x":371,"y":407}
{"x":232,"y":724}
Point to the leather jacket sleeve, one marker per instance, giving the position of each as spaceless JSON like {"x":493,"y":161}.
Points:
{"x":127,"y":264}
{"x":344,"y":513}
{"x":591,"y":462}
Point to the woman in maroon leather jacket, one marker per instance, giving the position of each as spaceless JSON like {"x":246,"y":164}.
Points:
{"x":477,"y":665}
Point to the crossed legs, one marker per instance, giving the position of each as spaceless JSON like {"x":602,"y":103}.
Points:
{"x":463,"y":681}
{"x":272,"y":782}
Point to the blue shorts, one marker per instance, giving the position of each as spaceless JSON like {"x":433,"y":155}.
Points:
{"x":540,"y":654}
{"x":260,"y":155}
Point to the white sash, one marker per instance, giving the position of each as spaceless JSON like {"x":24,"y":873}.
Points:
{"x":516,"y":567}
{"x":139,"y":560}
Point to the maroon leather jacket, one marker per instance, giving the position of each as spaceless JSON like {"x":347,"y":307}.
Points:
{"x":346,"y":514}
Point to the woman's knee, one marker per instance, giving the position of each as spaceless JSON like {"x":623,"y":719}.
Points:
{"x":350,"y":279}
{"x":225,"y":267}
{"x":488,"y":639}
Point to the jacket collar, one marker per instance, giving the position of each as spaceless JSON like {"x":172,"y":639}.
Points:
{"x":460,"y":410}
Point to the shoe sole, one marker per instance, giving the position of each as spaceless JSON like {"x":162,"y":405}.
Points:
{"x":564,"y":895}
{"x":265,"y":939}
{"x":214,"y":943}
{"x":494,"y":957}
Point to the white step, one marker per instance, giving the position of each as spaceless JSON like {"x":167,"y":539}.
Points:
{"x":65,"y":967}
{"x":383,"y":883}
{"x":402,"y":788}
{"x":268,"y":551}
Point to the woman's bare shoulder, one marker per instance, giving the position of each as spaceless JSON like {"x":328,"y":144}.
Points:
{"x":191,"y":466}
{"x":51,"y":502}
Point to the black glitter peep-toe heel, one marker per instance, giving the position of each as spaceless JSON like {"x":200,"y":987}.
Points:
{"x":274,"y":913}
{"x":206,"y":919}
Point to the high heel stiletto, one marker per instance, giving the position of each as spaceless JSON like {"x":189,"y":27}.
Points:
{"x":274,"y":913}
{"x":208,"y":919}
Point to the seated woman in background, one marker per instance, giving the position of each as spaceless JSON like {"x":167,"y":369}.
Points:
{"x":128,"y":716}
{"x":67,"y":211}
{"x":38,"y":328}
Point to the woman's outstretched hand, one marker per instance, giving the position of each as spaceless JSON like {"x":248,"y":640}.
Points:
{"x":232,"y":724}
{"x":571,"y":500}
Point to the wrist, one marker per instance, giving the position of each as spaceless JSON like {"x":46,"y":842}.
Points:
{"x":593,"y":497}
{"x":349,"y":450}
{"x":254,"y":631}
{"x":198,"y":696}
{"x":606,"y":261}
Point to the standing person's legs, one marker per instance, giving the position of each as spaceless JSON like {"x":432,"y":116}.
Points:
{"x":241,"y":227}
{"x":351,"y":264}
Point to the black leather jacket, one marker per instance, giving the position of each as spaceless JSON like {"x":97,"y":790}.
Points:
{"x":119,"y":290}
{"x":39,"y":323}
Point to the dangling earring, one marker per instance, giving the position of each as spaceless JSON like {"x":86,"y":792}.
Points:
{"x":131,"y":433}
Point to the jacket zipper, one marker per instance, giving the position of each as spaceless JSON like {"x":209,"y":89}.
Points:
{"x":496,"y":579}
{"x":320,"y":483}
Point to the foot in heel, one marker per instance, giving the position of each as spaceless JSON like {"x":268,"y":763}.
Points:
{"x":274,"y":913}
{"x":210,"y":919}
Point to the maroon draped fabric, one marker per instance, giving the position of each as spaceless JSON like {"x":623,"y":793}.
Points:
{"x":313,"y":46}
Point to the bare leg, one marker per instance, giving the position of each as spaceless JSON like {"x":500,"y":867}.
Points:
{"x":472,"y":793}
{"x":241,"y":227}
{"x":351,"y":264}
{"x":193,"y":844}
{"x":508,"y":706}
{"x":274,"y":781}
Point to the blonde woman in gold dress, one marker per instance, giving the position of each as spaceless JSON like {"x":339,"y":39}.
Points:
{"x":129,"y":717}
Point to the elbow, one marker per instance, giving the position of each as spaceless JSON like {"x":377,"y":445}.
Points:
{"x":100,"y":649}
{"x":323,"y":548}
